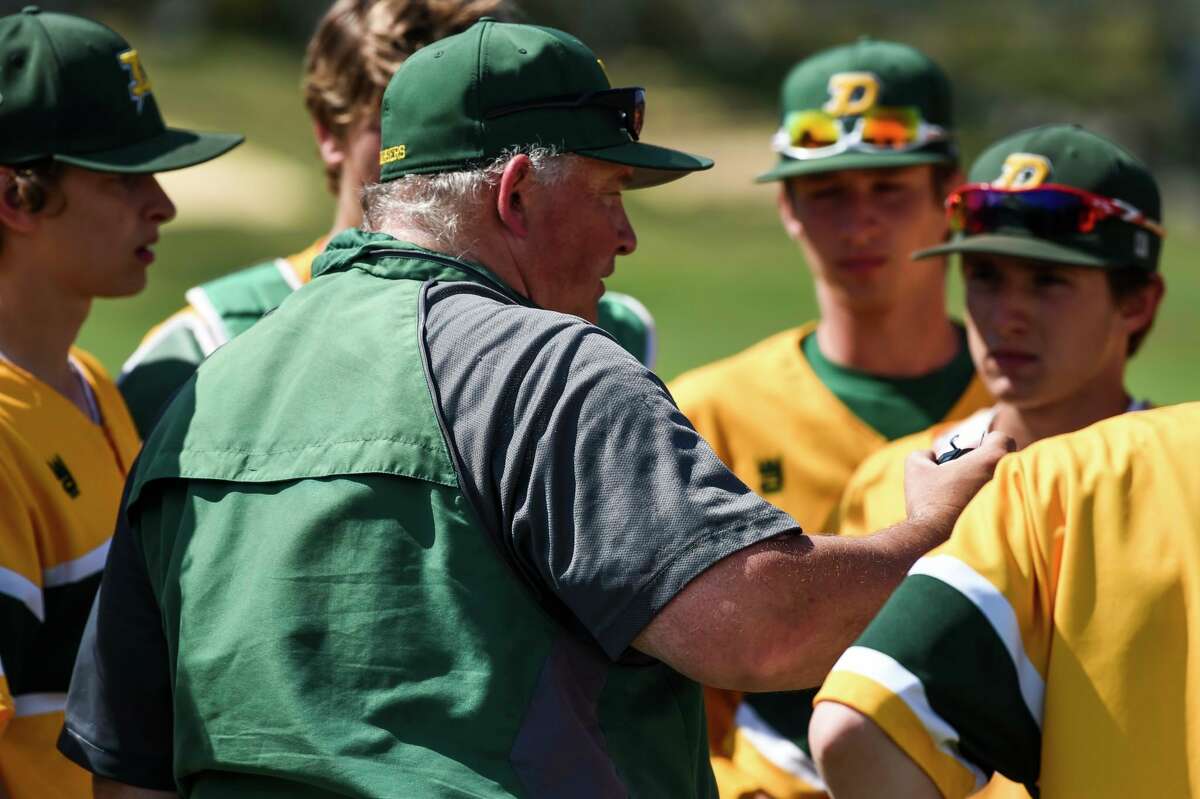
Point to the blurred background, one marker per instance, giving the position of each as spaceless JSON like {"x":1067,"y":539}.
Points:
{"x":713,"y":264}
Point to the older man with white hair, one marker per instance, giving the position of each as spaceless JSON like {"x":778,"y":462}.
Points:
{"x":424,"y":531}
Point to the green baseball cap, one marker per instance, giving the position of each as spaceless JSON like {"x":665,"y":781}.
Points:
{"x":73,"y":90}
{"x":1059,"y":193}
{"x":886,"y":85}
{"x":463,"y":101}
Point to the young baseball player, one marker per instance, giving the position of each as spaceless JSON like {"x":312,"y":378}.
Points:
{"x":1052,"y":640}
{"x":1054,"y":313}
{"x":866,"y":155}
{"x":80,"y":212}
{"x":356,"y":48}
{"x":1060,"y":238}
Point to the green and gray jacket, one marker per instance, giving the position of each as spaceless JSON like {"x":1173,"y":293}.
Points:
{"x":398,"y":538}
{"x":229,"y":305}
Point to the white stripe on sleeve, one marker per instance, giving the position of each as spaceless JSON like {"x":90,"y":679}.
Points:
{"x":781,"y":751}
{"x":79,"y":569}
{"x":24,"y":590}
{"x":888,"y":672}
{"x":999,"y":613}
{"x":38,"y":704}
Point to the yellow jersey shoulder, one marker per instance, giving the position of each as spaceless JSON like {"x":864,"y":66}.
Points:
{"x":63,"y":473}
{"x":874,"y":496}
{"x":727,"y":385}
{"x":772,"y":421}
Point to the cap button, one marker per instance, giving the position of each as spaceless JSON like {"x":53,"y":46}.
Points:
{"x":31,"y":10}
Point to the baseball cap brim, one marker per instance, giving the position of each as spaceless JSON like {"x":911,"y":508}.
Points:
{"x":1016,"y":246}
{"x":794,"y":167}
{"x":653,"y":165}
{"x":171,"y":149}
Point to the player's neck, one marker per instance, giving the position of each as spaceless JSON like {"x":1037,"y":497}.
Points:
{"x":348,"y":211}
{"x":896,"y":342}
{"x":1027,"y":425}
{"x":38,"y":325}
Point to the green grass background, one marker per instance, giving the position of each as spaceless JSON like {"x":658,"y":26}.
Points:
{"x":716,"y":270}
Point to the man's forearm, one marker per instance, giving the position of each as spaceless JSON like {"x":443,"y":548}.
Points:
{"x":776,"y":615}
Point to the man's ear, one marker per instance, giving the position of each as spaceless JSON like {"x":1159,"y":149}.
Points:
{"x":510,"y":202}
{"x":13,"y":215}
{"x":787,"y":212}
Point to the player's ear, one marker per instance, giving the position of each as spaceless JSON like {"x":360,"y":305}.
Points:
{"x":1138,"y":308}
{"x":331,"y":146}
{"x":13,"y":213}
{"x":516,"y":178}
{"x":787,"y":211}
{"x":944,"y":182}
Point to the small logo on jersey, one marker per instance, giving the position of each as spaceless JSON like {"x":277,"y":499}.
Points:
{"x":59,"y":467}
{"x":139,"y":84}
{"x":851,"y":93}
{"x":770,"y":474}
{"x":397,"y":153}
{"x":1023,"y":171}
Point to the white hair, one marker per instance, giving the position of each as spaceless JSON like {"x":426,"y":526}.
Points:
{"x":437,"y":205}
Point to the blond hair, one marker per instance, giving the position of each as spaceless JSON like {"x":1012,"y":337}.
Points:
{"x":359,"y":44}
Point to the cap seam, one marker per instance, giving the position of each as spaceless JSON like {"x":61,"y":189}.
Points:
{"x":58,"y":88}
{"x":477,"y":89}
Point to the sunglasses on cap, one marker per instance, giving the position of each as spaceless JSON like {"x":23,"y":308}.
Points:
{"x":817,"y":134}
{"x":629,"y":102}
{"x":1048,"y":211}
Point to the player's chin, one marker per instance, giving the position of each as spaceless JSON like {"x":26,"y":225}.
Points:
{"x":130,"y":283}
{"x":867,"y":297}
{"x":1017,"y":393}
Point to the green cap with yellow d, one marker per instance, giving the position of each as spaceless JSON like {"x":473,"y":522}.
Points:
{"x":74,"y":91}
{"x":1058,"y":193}
{"x":464,"y":101}
{"x":865,"y":105}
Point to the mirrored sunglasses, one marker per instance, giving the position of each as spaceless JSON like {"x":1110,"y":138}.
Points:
{"x":815,"y":133}
{"x":1048,"y":211}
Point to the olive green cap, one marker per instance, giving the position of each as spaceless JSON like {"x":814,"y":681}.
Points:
{"x":435,"y":115}
{"x":905,"y":77}
{"x":73,"y":90}
{"x":1067,"y":155}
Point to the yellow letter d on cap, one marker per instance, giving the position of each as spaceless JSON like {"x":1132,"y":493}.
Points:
{"x":851,"y":93}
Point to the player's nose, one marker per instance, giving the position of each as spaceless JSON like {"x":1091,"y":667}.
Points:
{"x":159,"y":207}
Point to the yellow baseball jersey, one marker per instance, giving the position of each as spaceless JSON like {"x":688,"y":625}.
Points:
{"x":784,"y":433}
{"x":1054,"y":638}
{"x":61,"y":478}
